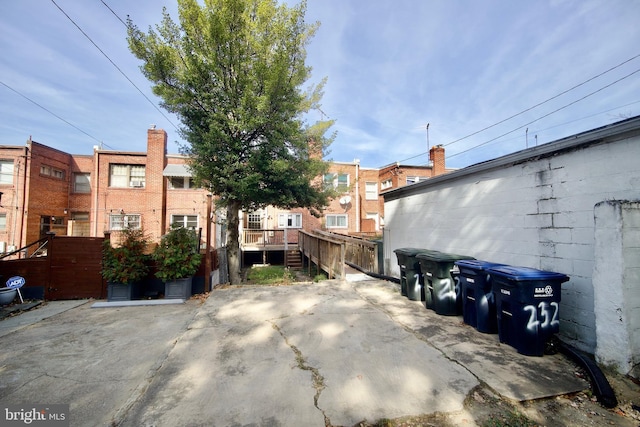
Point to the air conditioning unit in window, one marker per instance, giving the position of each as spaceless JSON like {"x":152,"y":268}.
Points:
{"x":3,"y":247}
{"x":137,"y":184}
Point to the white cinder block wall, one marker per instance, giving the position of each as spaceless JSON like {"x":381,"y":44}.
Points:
{"x":616,"y":279}
{"x":533,"y":208}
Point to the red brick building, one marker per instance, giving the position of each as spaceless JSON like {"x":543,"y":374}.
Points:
{"x":360,"y":208}
{"x":47,"y":190}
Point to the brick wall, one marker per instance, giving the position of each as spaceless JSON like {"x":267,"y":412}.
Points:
{"x":12,"y":204}
{"x":534,"y":208}
{"x":47,"y":190}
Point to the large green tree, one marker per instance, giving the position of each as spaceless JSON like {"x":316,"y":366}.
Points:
{"x":234,"y":72}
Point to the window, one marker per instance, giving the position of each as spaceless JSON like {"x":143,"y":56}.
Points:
{"x":82,"y":183}
{"x":186,"y":221}
{"x":121,"y":221}
{"x":51,"y":171}
{"x":387,"y":183}
{"x":336,"y":221}
{"x":371,"y":190}
{"x":337,"y":181}
{"x":254,"y":221}
{"x":6,"y":172}
{"x":177,"y":182}
{"x":79,"y":224}
{"x":3,"y":221}
{"x":51,"y":224}
{"x":290,"y":220}
{"x":123,"y":176}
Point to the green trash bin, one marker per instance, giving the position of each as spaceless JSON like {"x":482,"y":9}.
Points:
{"x":410,"y":276}
{"x":442,"y":291}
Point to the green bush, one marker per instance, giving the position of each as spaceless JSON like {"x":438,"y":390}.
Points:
{"x":126,"y":263}
{"x":177,"y":256}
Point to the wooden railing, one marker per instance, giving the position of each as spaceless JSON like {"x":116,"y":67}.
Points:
{"x":264,"y":238}
{"x":326,"y":253}
{"x":359,"y":251}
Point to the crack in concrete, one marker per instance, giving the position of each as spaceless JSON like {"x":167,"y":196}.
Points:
{"x":318,"y":379}
{"x":138,"y":393}
{"x":412,"y":331}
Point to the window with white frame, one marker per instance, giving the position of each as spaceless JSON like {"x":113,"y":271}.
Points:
{"x":181,"y":182}
{"x":290,"y":220}
{"x":387,"y":183}
{"x":186,"y":221}
{"x":124,"y":176}
{"x":336,"y":221}
{"x":3,"y":221}
{"x":371,"y":190}
{"x":124,"y":221}
{"x":82,"y":183}
{"x":6,"y":172}
{"x":337,"y":181}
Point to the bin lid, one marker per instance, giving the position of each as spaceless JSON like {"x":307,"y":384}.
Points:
{"x":526,"y":273}
{"x":441,"y":256}
{"x":410,"y":251}
{"x":477,"y":264}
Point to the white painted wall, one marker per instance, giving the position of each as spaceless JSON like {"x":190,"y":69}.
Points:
{"x":534,"y":208}
{"x":616,"y":280}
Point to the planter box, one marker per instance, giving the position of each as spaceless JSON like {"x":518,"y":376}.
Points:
{"x":180,"y":289}
{"x":123,"y":291}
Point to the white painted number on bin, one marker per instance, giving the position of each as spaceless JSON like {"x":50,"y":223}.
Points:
{"x":548,"y":314}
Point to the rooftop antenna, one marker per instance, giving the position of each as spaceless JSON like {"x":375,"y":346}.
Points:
{"x":428,"y":145}
{"x":526,"y":136}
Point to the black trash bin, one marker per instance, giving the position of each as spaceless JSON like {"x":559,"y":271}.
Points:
{"x":441,"y":282}
{"x":527,"y":305}
{"x":410,"y":275}
{"x":478,"y":301}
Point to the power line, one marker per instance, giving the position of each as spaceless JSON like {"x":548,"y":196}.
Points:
{"x":49,"y":111}
{"x":563,"y":124}
{"x":115,"y":14}
{"x":114,"y":64}
{"x":548,"y":114}
{"x":545,"y":101}
{"x":534,"y":106}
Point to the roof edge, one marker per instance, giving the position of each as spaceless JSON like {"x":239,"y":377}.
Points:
{"x":607,"y":133}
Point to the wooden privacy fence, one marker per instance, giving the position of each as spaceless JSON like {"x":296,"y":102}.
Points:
{"x":361,"y":252}
{"x":69,"y":268}
{"x":324,"y":251}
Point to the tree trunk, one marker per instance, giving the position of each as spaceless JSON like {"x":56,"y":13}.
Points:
{"x":233,"y":242}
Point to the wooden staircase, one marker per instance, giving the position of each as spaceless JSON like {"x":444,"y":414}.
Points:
{"x":293,"y":259}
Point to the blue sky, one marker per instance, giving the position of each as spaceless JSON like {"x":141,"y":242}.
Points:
{"x":393,"y":66}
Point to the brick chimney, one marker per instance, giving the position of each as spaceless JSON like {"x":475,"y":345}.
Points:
{"x":155,"y":182}
{"x":436,"y":155}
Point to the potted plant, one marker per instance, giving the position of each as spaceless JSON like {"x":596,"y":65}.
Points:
{"x":124,"y":266}
{"x":177,"y":259}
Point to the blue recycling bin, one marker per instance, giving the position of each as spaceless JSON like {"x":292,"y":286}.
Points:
{"x":441,"y":282}
{"x":478,"y":301}
{"x":410,"y":276}
{"x":527,"y":306}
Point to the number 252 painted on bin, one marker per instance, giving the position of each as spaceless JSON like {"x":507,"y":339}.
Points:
{"x":550,"y":316}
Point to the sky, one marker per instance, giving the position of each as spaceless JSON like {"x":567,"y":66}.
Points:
{"x":483,"y":78}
